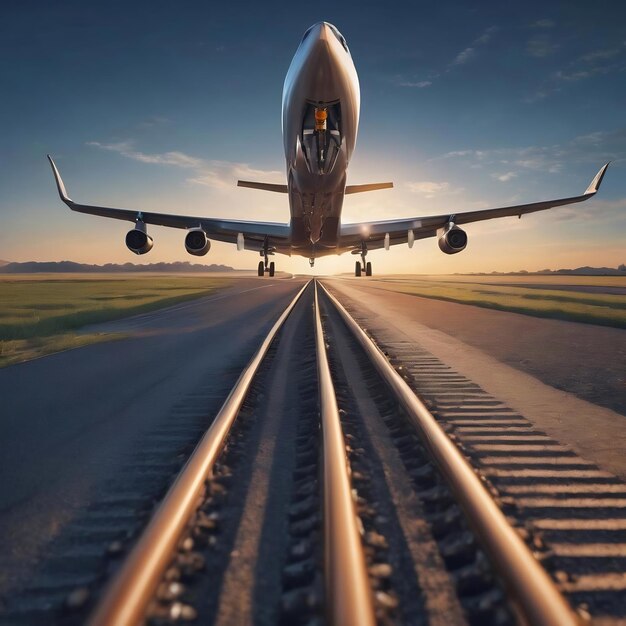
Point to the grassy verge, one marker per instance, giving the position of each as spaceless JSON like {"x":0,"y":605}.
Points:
{"x":18,"y":350}
{"x":41,"y":315}
{"x":589,"y":308}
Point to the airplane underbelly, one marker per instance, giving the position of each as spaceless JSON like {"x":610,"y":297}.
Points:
{"x":316,"y":202}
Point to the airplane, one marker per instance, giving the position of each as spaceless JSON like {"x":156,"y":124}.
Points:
{"x":320,"y":118}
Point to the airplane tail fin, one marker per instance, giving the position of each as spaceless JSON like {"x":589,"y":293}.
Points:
{"x":367,"y":187}
{"x":263,"y":186}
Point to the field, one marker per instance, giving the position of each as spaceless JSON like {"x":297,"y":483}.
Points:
{"x":588,"y":299}
{"x":40,"y":314}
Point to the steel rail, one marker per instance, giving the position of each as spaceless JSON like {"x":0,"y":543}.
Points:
{"x":529,"y":586}
{"x":125,"y":600}
{"x":348,"y":591}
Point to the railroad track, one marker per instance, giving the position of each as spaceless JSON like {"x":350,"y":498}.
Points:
{"x":325,"y":491}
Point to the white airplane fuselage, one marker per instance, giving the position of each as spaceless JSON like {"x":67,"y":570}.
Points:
{"x":320,"y":118}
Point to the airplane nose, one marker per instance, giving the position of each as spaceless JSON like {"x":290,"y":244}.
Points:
{"x":320,"y":32}
{"x":324,"y":33}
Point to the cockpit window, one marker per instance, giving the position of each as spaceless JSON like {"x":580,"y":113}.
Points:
{"x":339,"y":36}
{"x":308,"y":32}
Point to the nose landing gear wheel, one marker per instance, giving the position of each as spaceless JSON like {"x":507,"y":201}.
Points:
{"x":368,"y":268}
{"x":261,"y":268}
{"x":272,"y":267}
{"x":357,"y":268}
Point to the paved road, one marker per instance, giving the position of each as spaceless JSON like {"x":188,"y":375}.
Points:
{"x":584,"y":359}
{"x":567,"y":378}
{"x":66,"y":420}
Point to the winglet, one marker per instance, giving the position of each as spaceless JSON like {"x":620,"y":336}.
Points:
{"x":594,"y":185}
{"x":59,"y":181}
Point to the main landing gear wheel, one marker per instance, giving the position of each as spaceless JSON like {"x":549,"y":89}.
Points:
{"x":272,"y":268}
{"x":261,"y":268}
{"x":357,"y":268}
{"x":368,"y":268}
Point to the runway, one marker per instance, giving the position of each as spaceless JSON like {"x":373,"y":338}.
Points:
{"x":69,"y":420}
{"x":566,"y":376}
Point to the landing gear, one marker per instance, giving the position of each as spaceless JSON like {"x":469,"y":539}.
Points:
{"x":264,"y":266}
{"x":361,"y":266}
{"x":311,"y":261}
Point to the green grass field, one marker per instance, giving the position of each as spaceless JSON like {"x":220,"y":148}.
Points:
{"x":557,"y":298}
{"x":40,"y":314}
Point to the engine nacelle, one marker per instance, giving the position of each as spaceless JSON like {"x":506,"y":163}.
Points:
{"x":138,"y":241}
{"x":453,"y":240}
{"x":196,"y":242}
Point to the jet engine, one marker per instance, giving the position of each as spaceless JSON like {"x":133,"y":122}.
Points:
{"x":138,"y":241}
{"x":196,"y":242}
{"x":453,"y":239}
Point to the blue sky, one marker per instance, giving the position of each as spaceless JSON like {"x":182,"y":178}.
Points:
{"x":162,"y":106}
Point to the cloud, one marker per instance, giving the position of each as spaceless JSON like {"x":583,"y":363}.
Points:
{"x":506,"y":177}
{"x":578,"y":73}
{"x":596,"y":210}
{"x":459,"y":153}
{"x":420,"y":84}
{"x":470,"y":52}
{"x":154,"y":120}
{"x":593,"y":138}
{"x":591,"y":149}
{"x":541,"y":46}
{"x":428,"y":188}
{"x":464,"y":56}
{"x":542,"y":94}
{"x":600,"y":55}
{"x":224,"y":174}
{"x":486,"y":36}
{"x":544,"y":23}
{"x":595,"y":63}
{"x":211,"y":173}
{"x":573,"y":76}
{"x":125,"y":148}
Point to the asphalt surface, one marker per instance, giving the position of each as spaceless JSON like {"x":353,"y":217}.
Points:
{"x":567,"y":378}
{"x":68,"y":419}
{"x":586,"y":360}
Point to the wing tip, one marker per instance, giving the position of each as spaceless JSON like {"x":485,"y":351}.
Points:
{"x":594,"y":185}
{"x":59,"y":181}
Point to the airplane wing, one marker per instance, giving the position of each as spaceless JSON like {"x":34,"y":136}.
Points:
{"x":255,"y":233}
{"x":374,"y":234}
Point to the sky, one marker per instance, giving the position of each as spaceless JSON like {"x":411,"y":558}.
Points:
{"x":161,"y":106}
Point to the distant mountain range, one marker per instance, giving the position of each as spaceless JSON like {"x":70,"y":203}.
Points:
{"x":31,"y":267}
{"x":579,"y":271}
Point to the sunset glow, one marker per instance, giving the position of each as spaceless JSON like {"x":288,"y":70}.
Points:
{"x":165,"y":109}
